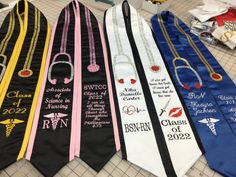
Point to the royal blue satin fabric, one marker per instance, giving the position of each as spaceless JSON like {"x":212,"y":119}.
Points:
{"x":209,"y":114}
{"x":224,"y":91}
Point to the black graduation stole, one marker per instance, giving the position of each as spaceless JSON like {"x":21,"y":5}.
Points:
{"x":24,"y":49}
{"x":49,"y":144}
{"x":97,"y":142}
{"x":74,"y":110}
{"x":9,"y":33}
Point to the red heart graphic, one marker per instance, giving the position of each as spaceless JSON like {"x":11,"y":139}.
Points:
{"x":155,"y":68}
{"x":121,"y":81}
{"x":186,"y":87}
{"x":133,"y":81}
{"x":198,"y":86}
{"x":129,"y":110}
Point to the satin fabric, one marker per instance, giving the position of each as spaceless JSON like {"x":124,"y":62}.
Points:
{"x":75,"y":103}
{"x":223,"y":90}
{"x":146,"y":99}
{"x":26,"y":53}
{"x":49,"y":145}
{"x":215,"y":133}
{"x":97,"y":138}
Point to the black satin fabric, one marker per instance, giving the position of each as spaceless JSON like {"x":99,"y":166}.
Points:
{"x":97,"y":136}
{"x":20,"y":93}
{"x":51,"y":146}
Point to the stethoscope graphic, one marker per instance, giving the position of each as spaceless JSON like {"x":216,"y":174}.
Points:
{"x":3,"y":65}
{"x":26,"y":71}
{"x":198,"y":85}
{"x":121,"y":54}
{"x":3,"y":45}
{"x":92,"y":67}
{"x":212,"y":73}
{"x":153,"y":66}
{"x":122,"y":63}
{"x":62,"y":53}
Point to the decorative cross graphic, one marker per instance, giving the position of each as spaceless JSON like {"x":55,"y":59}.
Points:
{"x":10,"y":124}
{"x":55,"y":117}
{"x":210,"y":122}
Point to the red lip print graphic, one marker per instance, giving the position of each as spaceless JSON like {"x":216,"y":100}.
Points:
{"x":175,"y":112}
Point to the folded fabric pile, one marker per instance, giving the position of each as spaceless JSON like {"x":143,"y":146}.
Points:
{"x":215,"y":21}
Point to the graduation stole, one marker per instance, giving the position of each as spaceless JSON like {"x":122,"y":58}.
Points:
{"x":218,"y":82}
{"x":49,"y":145}
{"x":9,"y":33}
{"x":97,"y":137}
{"x":154,"y":127}
{"x":24,"y":48}
{"x":75,"y":113}
{"x":215,"y":133}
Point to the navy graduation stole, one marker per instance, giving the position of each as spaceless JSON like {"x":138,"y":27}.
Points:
{"x":49,"y":146}
{"x":152,"y":119}
{"x":193,"y":82}
{"x":23,"y":55}
{"x":97,"y":138}
{"x":75,"y":104}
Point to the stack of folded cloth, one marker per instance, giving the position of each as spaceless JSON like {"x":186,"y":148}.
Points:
{"x":215,"y":21}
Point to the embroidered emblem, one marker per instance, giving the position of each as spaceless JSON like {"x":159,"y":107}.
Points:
{"x":130,"y":110}
{"x":198,"y":85}
{"x":210,"y":122}
{"x":10,"y":124}
{"x":122,"y":64}
{"x":3,"y":58}
{"x":4,"y":43}
{"x":55,"y":117}
{"x":124,"y":60}
{"x":164,"y":108}
{"x":214,"y":76}
{"x":26,"y":71}
{"x":54,"y":62}
{"x":62,"y":53}
{"x":92,"y":67}
{"x":175,"y":112}
{"x":154,"y":67}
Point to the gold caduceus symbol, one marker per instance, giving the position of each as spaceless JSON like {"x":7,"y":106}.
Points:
{"x":10,"y":124}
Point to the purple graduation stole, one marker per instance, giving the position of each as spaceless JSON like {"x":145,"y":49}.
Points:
{"x":75,"y":114}
{"x":23,"y":49}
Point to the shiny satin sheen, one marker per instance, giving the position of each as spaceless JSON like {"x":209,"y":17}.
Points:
{"x":206,"y":111}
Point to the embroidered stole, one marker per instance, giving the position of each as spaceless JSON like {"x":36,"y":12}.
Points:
{"x":155,"y":131}
{"x":49,"y":145}
{"x":75,"y":113}
{"x":198,"y":80}
{"x":23,"y":53}
{"x":97,"y":138}
{"x":218,"y":82}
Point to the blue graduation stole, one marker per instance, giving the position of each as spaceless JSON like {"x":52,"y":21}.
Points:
{"x":200,"y":82}
{"x":218,"y":82}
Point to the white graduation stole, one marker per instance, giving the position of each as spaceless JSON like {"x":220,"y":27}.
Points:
{"x":160,"y":140}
